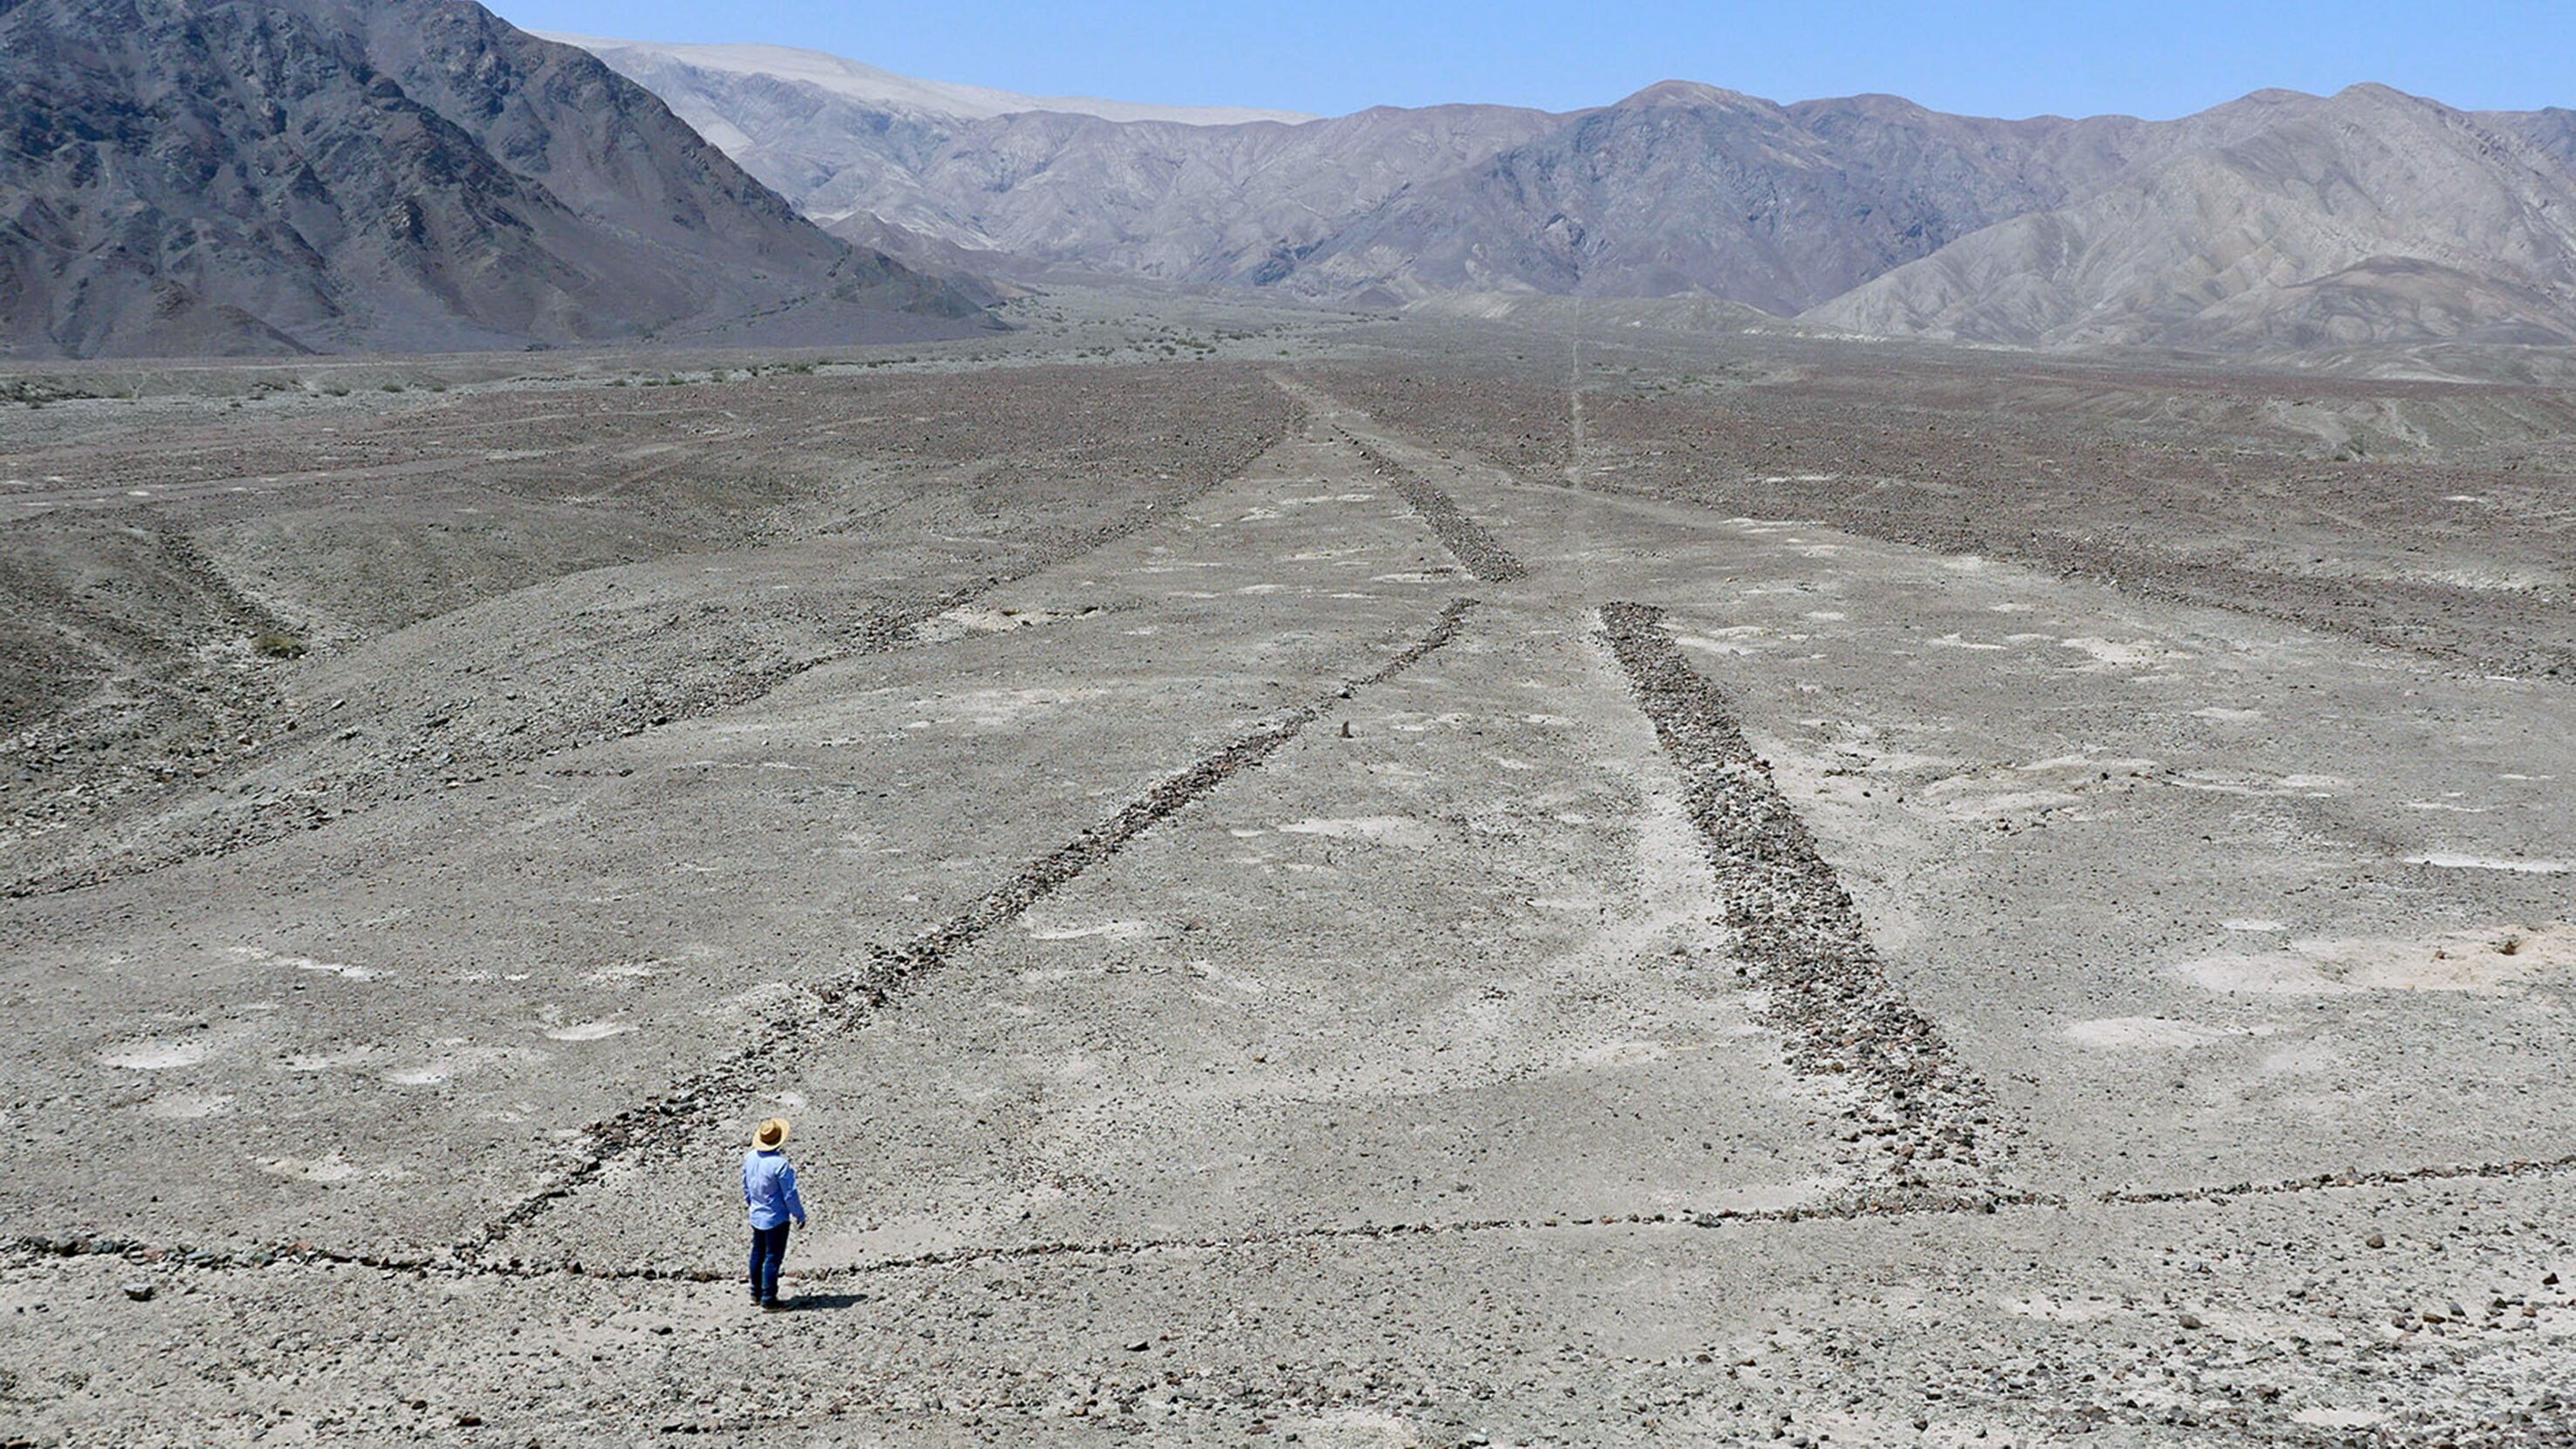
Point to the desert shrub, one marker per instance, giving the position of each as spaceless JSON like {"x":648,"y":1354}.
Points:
{"x":270,"y":644}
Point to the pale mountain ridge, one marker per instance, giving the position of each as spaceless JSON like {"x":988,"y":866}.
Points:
{"x":1684,"y":189}
{"x":1161,"y":199}
{"x":424,"y":175}
{"x":2276,"y":220}
{"x":2367,"y":217}
{"x":1226,"y":204}
{"x":900,"y":94}
{"x":1680,"y":189}
{"x":1389,"y":204}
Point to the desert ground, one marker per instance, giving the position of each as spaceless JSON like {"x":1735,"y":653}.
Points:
{"x":1531,"y":878}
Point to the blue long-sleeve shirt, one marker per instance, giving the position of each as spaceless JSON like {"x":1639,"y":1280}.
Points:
{"x":769,"y":1189}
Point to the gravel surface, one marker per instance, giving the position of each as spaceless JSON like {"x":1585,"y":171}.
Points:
{"x":1331,"y":898}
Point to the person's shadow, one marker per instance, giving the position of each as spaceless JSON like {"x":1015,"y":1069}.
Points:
{"x":815,"y":1302}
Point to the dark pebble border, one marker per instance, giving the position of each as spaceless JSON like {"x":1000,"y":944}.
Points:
{"x":31,"y":1248}
{"x":1479,"y":551}
{"x":1923,"y":1123}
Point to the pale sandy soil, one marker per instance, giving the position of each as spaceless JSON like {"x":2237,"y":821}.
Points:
{"x":1288,"y":904}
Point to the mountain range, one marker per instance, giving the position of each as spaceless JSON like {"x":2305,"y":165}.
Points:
{"x":249,"y":176}
{"x":275,"y":176}
{"x":2280,"y":220}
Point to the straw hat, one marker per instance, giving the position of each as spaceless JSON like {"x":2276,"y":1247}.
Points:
{"x":770,"y":1135}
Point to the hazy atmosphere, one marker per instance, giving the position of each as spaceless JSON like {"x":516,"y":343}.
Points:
{"x":1638,"y":726}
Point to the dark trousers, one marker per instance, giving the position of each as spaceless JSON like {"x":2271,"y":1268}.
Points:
{"x":768,"y":1252}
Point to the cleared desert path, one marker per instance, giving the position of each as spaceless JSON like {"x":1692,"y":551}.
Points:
{"x":1386,"y":951}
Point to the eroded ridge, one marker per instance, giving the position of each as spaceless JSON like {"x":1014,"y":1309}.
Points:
{"x":1925,"y":1123}
{"x":843,"y":1001}
{"x":1481,"y":553}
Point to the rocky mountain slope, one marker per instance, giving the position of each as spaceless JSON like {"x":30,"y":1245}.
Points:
{"x":250,"y":176}
{"x":2278,"y":220}
{"x":2367,"y":217}
{"x":1685,"y":189}
{"x":1174,"y":199}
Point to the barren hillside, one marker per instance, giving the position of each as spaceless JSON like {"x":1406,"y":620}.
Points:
{"x":2280,"y":220}
{"x":2371,"y":216}
{"x":325,"y":175}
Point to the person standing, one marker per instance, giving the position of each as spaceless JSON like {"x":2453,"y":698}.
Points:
{"x":769,"y":1191}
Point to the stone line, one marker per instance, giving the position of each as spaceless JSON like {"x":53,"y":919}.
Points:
{"x":2395,"y":1177}
{"x":453,"y":1263}
{"x":1925,"y":1122}
{"x":660,"y":1128}
{"x":36,"y":1247}
{"x":1683,"y":1217}
{"x":1483,"y":555}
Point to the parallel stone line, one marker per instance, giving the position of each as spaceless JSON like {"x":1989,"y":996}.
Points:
{"x":1802,"y":939}
{"x":2324,"y":1181}
{"x":39,"y":1247}
{"x":1467,"y":540}
{"x":845,"y":999}
{"x":453,"y":1264}
{"x":1685,"y":1218}
{"x":1842,"y":1210}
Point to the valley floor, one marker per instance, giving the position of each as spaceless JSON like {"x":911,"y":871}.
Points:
{"x":1317,"y":895}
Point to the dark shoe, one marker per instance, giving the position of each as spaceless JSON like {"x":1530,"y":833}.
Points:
{"x":770,"y":1305}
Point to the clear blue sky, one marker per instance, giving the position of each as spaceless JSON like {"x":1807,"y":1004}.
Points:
{"x":1332,"y":56}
